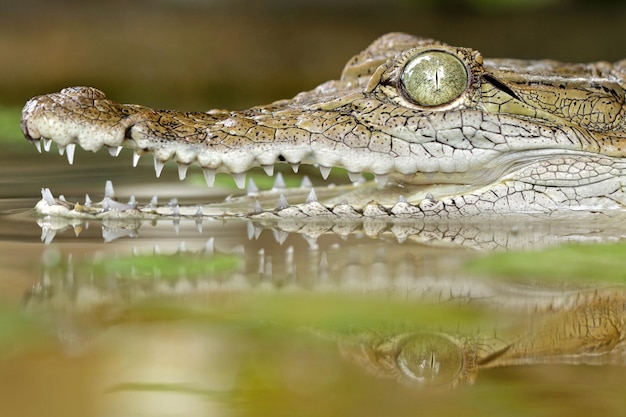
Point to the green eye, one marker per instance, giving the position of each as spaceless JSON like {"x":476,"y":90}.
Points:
{"x":434,"y":78}
{"x":430,"y":359}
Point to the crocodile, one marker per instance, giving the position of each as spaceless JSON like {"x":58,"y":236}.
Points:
{"x":445,"y":133}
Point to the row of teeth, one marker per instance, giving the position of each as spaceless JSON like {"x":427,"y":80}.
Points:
{"x":209,"y":173}
{"x":110,"y":203}
{"x":309,"y":232}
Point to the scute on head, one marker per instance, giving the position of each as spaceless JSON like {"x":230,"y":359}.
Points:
{"x":387,"y":46}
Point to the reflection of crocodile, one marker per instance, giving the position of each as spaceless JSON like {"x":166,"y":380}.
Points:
{"x":453,"y":326}
{"x":451,"y":133}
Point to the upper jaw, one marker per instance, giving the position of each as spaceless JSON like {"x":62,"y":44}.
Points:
{"x":362,"y":122}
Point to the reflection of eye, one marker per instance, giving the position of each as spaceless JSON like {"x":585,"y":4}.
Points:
{"x":430,"y":359}
{"x":433,"y":78}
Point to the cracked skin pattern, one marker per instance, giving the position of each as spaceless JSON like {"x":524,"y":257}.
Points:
{"x":483,"y":136}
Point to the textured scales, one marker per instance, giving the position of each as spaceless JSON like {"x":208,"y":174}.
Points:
{"x":522,"y":136}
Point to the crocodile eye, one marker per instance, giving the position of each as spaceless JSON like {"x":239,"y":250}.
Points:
{"x":430,"y":359}
{"x":434,"y":78}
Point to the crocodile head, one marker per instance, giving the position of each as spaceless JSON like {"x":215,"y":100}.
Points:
{"x":453,"y":134}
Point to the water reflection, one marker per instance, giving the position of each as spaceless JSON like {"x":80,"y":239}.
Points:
{"x":397,"y":302}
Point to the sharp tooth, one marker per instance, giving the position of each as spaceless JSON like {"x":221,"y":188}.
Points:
{"x":257,"y":207}
{"x":199,"y":212}
{"x":325,"y":171}
{"x":109,"y":192}
{"x":282,"y":202}
{"x":240,"y":180}
{"x":269,"y":169}
{"x":115,"y":150}
{"x":47,"y":196}
{"x":306,"y":182}
{"x":354,"y":176}
{"x":47,"y":144}
{"x":154,"y":201}
{"x":381,"y":179}
{"x":71,"y":148}
{"x":295,"y":167}
{"x":136,"y":157}
{"x":279,"y":182}
{"x":61,"y":149}
{"x":132,"y":202}
{"x":87,"y":200}
{"x":182,"y":171}
{"x":37,"y":144}
{"x":252,"y":188}
{"x":312,"y":197}
{"x":209,"y":176}
{"x":158,"y":166}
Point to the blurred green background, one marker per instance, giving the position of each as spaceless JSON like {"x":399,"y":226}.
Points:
{"x":194,"y":55}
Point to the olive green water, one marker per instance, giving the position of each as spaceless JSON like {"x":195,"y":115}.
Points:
{"x":230,"y":318}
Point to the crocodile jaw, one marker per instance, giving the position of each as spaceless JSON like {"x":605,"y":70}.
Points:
{"x":487,"y":138}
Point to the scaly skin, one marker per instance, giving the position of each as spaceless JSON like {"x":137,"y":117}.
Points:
{"x":520,"y":136}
